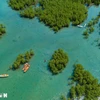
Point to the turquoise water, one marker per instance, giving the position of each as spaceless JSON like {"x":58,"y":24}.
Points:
{"x":24,"y":34}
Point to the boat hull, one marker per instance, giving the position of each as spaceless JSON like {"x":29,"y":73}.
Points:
{"x":4,"y":75}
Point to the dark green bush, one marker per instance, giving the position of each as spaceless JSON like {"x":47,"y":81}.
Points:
{"x":86,"y":84}
{"x":58,"y":61}
{"x":2,"y":29}
{"x":28,"y":13}
{"x":20,"y":4}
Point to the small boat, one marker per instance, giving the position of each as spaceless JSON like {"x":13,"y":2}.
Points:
{"x":80,"y":26}
{"x":4,"y":75}
{"x":26,"y":67}
{"x":85,"y":25}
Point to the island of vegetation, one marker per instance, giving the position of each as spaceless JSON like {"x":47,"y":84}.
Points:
{"x":24,"y":6}
{"x":58,"y":61}
{"x":54,"y":13}
{"x":59,"y":13}
{"x":21,"y":4}
{"x":90,"y":26}
{"x":2,"y":29}
{"x":85,"y":84}
{"x":22,"y":59}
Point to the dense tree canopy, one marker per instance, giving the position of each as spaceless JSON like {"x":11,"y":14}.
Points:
{"x":58,"y":61}
{"x":20,"y":4}
{"x":54,"y":13}
{"x":28,"y":13}
{"x":2,"y":29}
{"x":96,"y":2}
{"x":86,"y":84}
{"x":59,"y":13}
{"x":25,"y":7}
{"x":22,"y":59}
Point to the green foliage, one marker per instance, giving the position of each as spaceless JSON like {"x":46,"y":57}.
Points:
{"x":62,"y":97}
{"x":58,"y":61}
{"x":91,"y":29}
{"x":93,"y":21}
{"x":59,"y":13}
{"x":28,"y":13}
{"x":25,"y":7}
{"x":72,"y":92}
{"x":96,"y":2}
{"x":86,"y":34}
{"x":86,"y":84}
{"x":69,"y":99}
{"x":20,"y":4}
{"x":54,"y":13}
{"x":2,"y":29}
{"x":22,"y":59}
{"x":90,"y":26}
{"x":79,"y":90}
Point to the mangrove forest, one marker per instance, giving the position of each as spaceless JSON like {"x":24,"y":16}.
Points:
{"x":59,"y":13}
{"x":85,"y":84}
{"x":21,"y":4}
{"x":54,"y":13}
{"x":58,"y":61}
{"x":28,"y":13}
{"x":22,"y":59}
{"x":24,"y":6}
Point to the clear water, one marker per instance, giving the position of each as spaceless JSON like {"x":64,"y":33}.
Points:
{"x":24,"y":34}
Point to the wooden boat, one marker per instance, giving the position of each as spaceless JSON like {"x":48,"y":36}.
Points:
{"x":4,"y":75}
{"x":26,"y":67}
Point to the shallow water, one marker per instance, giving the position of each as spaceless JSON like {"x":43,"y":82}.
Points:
{"x":23,"y":35}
